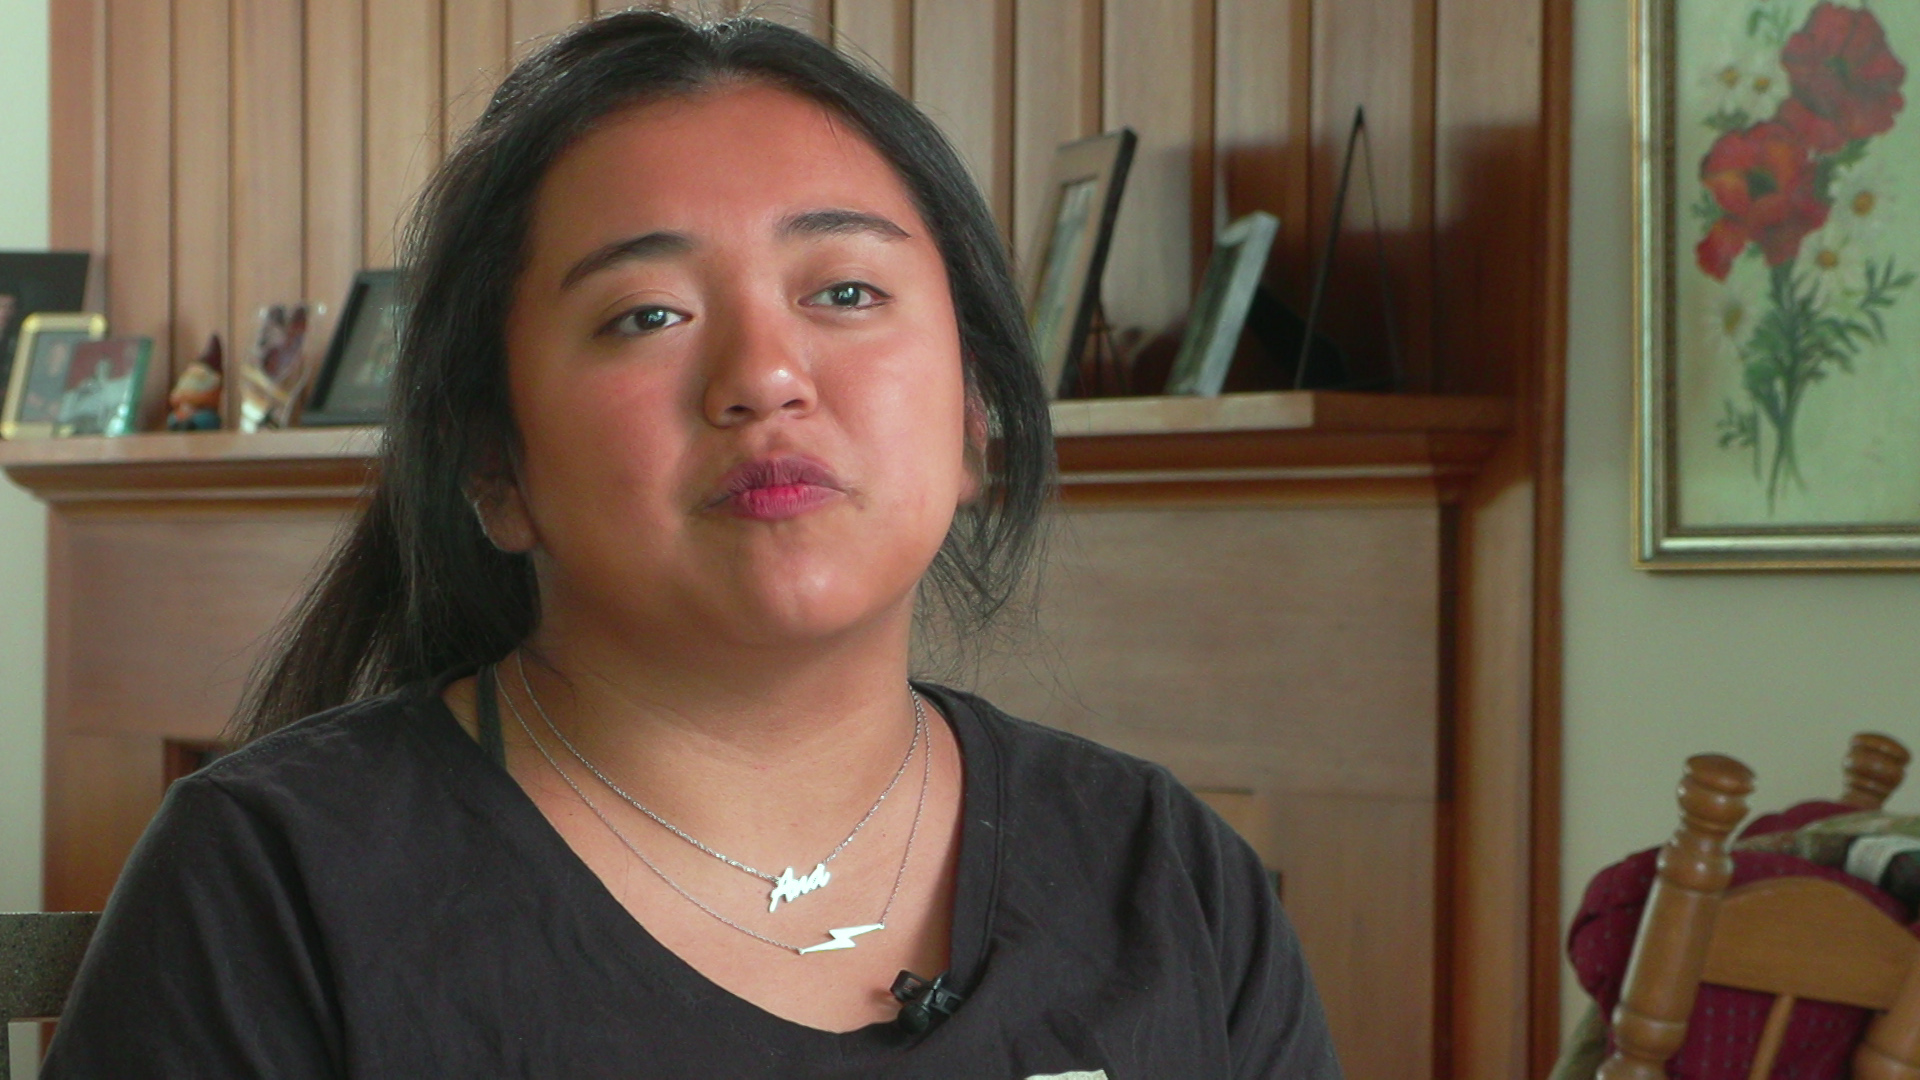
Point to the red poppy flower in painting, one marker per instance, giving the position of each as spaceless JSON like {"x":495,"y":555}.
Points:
{"x":1845,"y":80}
{"x":1764,"y":182}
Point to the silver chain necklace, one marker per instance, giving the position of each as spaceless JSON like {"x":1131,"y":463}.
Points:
{"x":786,"y":886}
{"x":838,"y":937}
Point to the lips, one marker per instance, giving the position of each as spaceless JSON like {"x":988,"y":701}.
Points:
{"x":774,"y":489}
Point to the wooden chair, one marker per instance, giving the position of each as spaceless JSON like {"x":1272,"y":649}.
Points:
{"x":1795,"y":938}
{"x":39,"y":955}
{"x":1874,"y":767}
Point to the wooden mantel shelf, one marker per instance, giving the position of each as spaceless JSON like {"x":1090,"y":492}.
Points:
{"x":1409,"y":444}
{"x":305,"y":463}
{"x":1288,"y":444}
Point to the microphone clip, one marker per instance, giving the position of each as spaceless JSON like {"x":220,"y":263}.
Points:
{"x":923,"y":1001}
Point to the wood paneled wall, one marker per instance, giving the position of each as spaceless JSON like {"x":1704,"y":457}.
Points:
{"x":225,"y":154}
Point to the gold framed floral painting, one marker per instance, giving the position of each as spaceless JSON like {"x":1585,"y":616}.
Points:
{"x":1778,"y":309}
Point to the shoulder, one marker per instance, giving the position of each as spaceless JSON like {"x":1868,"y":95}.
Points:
{"x":1037,"y":762}
{"x":349,"y":728}
{"x":360,"y":742}
{"x":1055,"y":793}
{"x":1104,"y":858}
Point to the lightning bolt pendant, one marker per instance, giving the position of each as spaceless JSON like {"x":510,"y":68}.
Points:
{"x":843,"y":938}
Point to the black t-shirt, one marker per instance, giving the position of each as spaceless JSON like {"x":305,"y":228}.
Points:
{"x":367,"y":894}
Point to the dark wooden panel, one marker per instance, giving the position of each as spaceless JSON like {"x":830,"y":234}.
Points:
{"x":402,"y":117}
{"x":170,"y":608}
{"x":879,"y":32}
{"x":202,"y":247}
{"x":1359,"y":888}
{"x":1487,"y":198}
{"x":269,"y":168}
{"x":335,"y":130}
{"x":963,"y":78}
{"x":531,"y":22}
{"x":1377,"y":54}
{"x":476,"y":59}
{"x":1490,"y":769}
{"x":101,"y":791}
{"x":77,"y":135}
{"x":1300,"y":643}
{"x":1152,"y":69}
{"x":813,"y":16}
{"x":1262,"y":83}
{"x":1056,"y":99}
{"x":140,"y":178}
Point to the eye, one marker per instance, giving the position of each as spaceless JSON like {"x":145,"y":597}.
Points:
{"x":851,"y":295}
{"x":643,"y":320}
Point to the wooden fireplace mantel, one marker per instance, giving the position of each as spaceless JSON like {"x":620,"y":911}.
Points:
{"x":1302,"y":443}
{"x":1256,"y":590}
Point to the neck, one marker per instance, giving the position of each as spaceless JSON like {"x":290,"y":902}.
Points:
{"x":756,"y":743}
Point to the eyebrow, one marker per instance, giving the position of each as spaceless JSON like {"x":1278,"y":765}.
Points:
{"x":807,"y":223}
{"x":653,"y":245}
{"x":838,"y":222}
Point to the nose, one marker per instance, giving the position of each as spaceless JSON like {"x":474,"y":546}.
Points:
{"x":758,"y":364}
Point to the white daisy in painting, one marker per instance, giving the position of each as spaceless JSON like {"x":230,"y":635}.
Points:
{"x":1862,"y":198}
{"x":1735,"y":305}
{"x":1742,"y":82}
{"x":1729,"y":320}
{"x":1835,"y":260}
{"x":1855,"y":231}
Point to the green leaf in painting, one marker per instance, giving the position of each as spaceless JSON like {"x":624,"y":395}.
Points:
{"x":1705,"y":210}
{"x":1740,"y":429}
{"x":1730,"y":120}
{"x":1826,"y":169}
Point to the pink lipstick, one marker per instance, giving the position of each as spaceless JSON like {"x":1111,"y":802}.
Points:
{"x":775,"y":489}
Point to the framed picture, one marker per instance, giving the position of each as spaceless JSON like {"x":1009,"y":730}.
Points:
{"x":104,"y":381}
{"x":1220,"y":307}
{"x":36,"y":281}
{"x":351,"y":387}
{"x":272,"y":379}
{"x":1070,"y":248}
{"x":1777,"y":240}
{"x":40,"y":365}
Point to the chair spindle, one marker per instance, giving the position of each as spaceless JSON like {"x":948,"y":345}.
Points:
{"x":1874,"y":766}
{"x":1671,"y":950}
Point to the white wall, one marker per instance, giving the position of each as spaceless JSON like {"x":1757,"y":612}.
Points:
{"x":23,"y":523}
{"x":1774,"y":669}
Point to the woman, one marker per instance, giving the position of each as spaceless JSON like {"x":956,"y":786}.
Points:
{"x":710,"y":337}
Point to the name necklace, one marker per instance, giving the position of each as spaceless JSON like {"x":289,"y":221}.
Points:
{"x":786,"y":887}
{"x":838,"y":937}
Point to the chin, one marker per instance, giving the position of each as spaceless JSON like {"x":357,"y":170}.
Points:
{"x":819,"y":608}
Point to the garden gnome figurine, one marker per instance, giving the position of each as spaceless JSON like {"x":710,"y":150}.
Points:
{"x":194,"y":404}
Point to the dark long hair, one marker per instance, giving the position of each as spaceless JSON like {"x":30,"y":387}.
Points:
{"x":415,"y":588}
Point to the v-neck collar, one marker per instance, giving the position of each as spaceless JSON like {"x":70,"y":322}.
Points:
{"x":488,"y":788}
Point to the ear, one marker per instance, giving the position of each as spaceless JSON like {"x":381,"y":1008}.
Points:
{"x":502,"y":513}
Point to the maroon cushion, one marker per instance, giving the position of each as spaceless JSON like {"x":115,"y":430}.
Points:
{"x":1793,"y":817}
{"x":1724,"y":1030}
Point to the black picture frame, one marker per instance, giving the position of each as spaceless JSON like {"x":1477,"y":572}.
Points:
{"x":352,"y":386}
{"x":32,"y":282}
{"x":1062,"y":283}
{"x":1221,"y":305}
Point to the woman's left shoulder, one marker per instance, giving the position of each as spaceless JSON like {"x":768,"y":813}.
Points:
{"x":1108,"y":863}
{"x":1046,"y":774}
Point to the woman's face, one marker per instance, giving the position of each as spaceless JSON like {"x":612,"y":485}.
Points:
{"x":736,"y":373}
